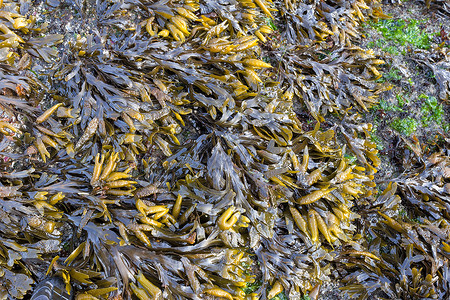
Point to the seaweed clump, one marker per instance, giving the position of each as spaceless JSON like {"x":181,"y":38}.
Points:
{"x":166,"y":158}
{"x":407,"y":249}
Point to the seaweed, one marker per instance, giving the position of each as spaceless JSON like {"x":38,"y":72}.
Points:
{"x":314,"y":22}
{"x":343,"y":79}
{"x":162,"y":155}
{"x":408,"y":255}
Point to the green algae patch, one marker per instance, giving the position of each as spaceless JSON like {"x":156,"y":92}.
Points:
{"x":406,"y":126}
{"x":404,"y":32}
{"x":431,"y":110}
